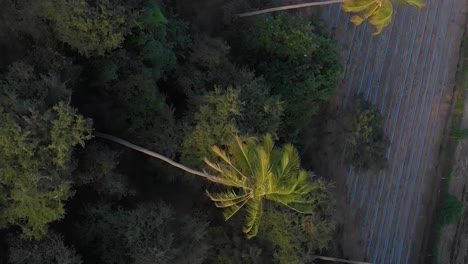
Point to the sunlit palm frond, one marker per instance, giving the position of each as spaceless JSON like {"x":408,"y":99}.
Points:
{"x":261,"y":171}
{"x":230,"y":201}
{"x":378,"y":12}
{"x":228,"y":175}
{"x":382,"y":17}
{"x":254,"y":211}
{"x":241,"y":150}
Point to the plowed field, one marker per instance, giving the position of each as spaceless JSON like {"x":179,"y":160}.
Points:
{"x":408,"y":71}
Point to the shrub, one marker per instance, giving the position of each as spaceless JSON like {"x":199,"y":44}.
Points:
{"x":366,"y":142}
{"x":451,"y":210}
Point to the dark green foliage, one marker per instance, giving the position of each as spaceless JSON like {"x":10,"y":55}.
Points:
{"x":37,"y":137}
{"x":299,"y":64}
{"x":459,"y":133}
{"x":451,"y":210}
{"x":138,"y":99}
{"x":128,"y":81}
{"x":261,"y":112}
{"x":49,"y":250}
{"x":366,"y":143}
{"x":150,"y":233}
{"x":208,"y":66}
{"x":234,"y":248}
{"x":98,"y":171}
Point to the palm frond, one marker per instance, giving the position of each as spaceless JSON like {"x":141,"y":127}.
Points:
{"x":268,"y":144}
{"x":378,"y":12}
{"x":231,"y":211}
{"x":262,"y":169}
{"x":382,"y":17}
{"x":227,"y":196}
{"x":241,"y":150}
{"x":226,"y":159}
{"x":230,"y":201}
{"x":228,"y":176}
{"x":254,"y":210}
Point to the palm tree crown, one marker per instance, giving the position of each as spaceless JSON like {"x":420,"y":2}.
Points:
{"x":378,"y":12}
{"x":254,"y":172}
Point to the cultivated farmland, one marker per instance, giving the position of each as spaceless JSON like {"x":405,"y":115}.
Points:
{"x":408,"y":72}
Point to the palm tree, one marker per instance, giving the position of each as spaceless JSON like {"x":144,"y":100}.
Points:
{"x":378,"y":12}
{"x":252,"y":172}
{"x":255,"y":172}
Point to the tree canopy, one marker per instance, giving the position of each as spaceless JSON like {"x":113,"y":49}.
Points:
{"x":38,"y":133}
{"x":153,"y":73}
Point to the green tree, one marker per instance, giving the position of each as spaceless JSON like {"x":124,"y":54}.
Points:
{"x":208,"y":66}
{"x":150,"y":233}
{"x":213,"y":124}
{"x":300,"y":64}
{"x":378,"y":12}
{"x":248,"y":110}
{"x":233,"y":248}
{"x":98,"y":171}
{"x":292,"y":235}
{"x":37,"y":137}
{"x":91,"y":29}
{"x":253,"y":173}
{"x":49,"y":250}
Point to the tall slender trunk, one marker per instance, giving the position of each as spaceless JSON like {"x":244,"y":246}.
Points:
{"x":158,"y":156}
{"x":338,"y":260}
{"x":280,"y":8}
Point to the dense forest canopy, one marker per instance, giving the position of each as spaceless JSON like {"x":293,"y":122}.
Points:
{"x":155,"y":74}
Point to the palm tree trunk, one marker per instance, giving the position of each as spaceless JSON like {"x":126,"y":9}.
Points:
{"x":274,"y":9}
{"x":338,"y":260}
{"x":158,"y":156}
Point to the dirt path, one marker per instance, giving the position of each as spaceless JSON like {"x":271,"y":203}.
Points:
{"x":453,"y":245}
{"x":408,"y":71}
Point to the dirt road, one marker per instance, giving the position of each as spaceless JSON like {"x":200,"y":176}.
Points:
{"x":408,"y":72}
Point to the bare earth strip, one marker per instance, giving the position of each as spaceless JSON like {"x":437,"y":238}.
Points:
{"x":453,"y":245}
{"x":408,"y":72}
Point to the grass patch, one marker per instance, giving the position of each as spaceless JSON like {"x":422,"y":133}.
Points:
{"x":451,"y":209}
{"x":459,"y":106}
{"x":459,"y":134}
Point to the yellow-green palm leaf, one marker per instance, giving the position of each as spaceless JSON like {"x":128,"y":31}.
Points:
{"x":255,"y":171}
{"x":378,"y":12}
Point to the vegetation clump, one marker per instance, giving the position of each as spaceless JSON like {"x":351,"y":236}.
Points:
{"x":366,"y":143}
